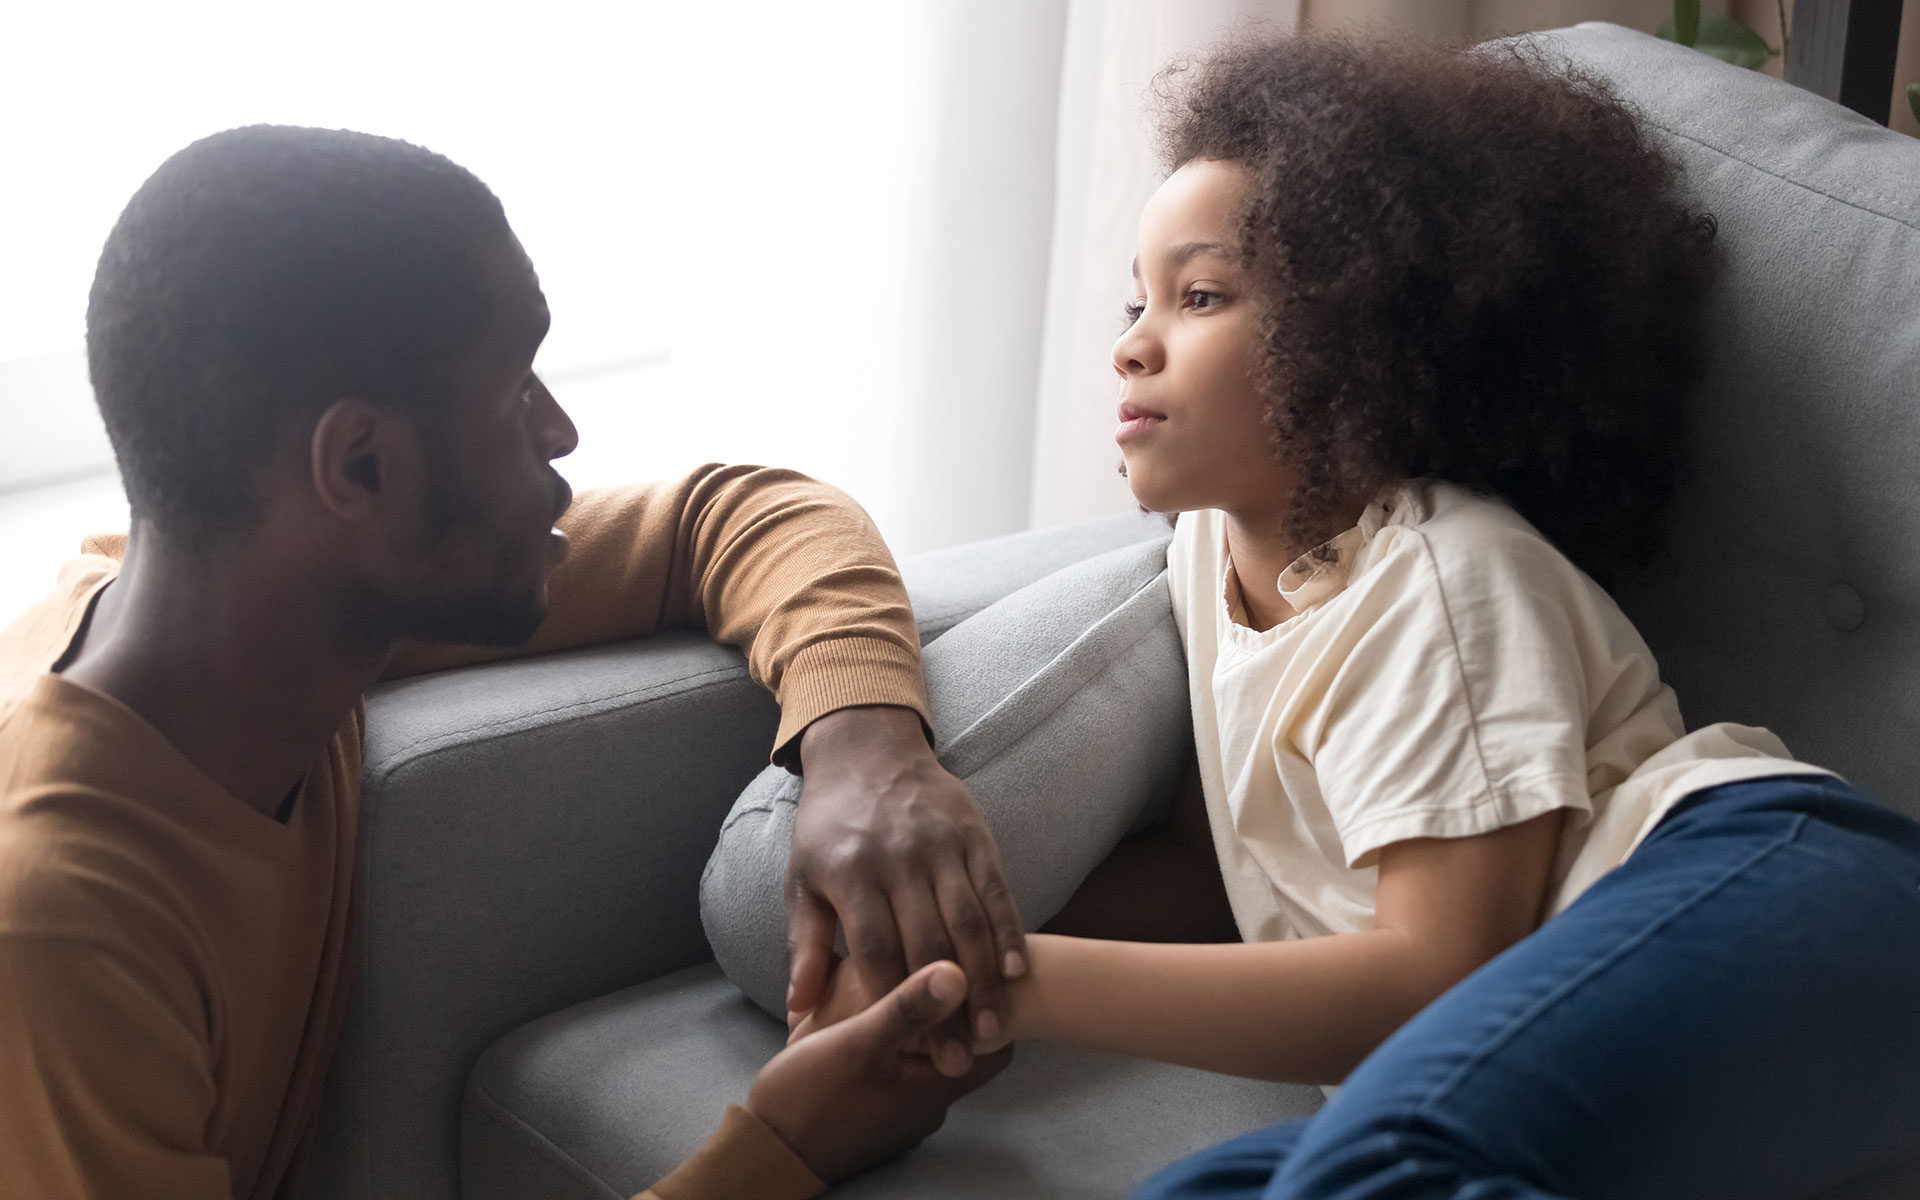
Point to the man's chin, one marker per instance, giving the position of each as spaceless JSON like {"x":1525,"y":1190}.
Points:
{"x":481,"y":621}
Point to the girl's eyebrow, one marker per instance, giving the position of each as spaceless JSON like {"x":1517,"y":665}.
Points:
{"x":1184,"y":253}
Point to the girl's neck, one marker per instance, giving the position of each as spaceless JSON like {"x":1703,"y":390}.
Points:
{"x":1259,"y":553}
{"x":1261,"y":547}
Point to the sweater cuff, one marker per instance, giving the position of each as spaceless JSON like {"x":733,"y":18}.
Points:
{"x":844,"y":673}
{"x":742,"y":1158}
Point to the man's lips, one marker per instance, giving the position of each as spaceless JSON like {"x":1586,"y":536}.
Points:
{"x":1136,"y":422}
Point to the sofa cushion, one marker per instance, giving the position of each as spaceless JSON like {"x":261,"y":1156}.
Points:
{"x":604,"y":1098}
{"x":1062,"y":707}
{"x":532,"y":834}
{"x":1790,"y":596}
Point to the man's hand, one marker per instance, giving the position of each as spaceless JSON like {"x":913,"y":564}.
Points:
{"x":858,"y":1093}
{"x":889,"y":845}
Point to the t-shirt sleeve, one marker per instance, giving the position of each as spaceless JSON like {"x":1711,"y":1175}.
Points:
{"x":742,"y":1158}
{"x":789,"y":569}
{"x":106,"y":1089}
{"x":1456,"y":706}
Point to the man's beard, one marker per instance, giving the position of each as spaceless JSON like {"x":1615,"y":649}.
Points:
{"x":484,"y":619}
{"x":490,"y":617}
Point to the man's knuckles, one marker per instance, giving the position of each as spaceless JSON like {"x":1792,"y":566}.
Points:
{"x":875,"y":949}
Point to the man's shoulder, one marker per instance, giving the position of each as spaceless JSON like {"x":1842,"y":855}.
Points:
{"x":37,"y":637}
{"x":85,"y":888}
{"x":77,"y":842}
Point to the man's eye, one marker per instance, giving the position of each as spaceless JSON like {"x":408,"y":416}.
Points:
{"x":1133,"y":310}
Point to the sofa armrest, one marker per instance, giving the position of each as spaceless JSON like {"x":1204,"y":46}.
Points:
{"x":532,"y":835}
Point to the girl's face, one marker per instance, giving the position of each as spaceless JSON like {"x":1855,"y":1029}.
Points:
{"x":1190,"y":416}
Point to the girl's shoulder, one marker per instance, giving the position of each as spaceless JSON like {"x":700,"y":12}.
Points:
{"x":1469,"y":533}
{"x":1475,"y":559}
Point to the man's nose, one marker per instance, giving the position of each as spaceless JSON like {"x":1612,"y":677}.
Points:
{"x":558,"y":433}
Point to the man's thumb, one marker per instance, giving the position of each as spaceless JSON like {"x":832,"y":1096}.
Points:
{"x":923,"y":1000}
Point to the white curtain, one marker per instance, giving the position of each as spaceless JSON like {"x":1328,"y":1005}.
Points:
{"x":931,"y":244}
{"x":1106,"y":170}
{"x":868,"y":243}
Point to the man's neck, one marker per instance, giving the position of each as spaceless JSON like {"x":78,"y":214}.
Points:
{"x":245,"y":672}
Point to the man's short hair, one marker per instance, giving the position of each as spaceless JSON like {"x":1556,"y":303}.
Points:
{"x":263,"y":273}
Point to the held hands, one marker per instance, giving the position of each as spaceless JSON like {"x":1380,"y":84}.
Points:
{"x":859,"y":1093}
{"x":889,"y":845}
{"x":847,"y":995}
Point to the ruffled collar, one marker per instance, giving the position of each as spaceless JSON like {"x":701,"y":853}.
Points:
{"x":1325,"y":571}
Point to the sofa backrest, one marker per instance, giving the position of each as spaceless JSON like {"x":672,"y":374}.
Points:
{"x":1789,"y":595}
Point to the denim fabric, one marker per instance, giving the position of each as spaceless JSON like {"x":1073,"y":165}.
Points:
{"x":1734,"y":1012}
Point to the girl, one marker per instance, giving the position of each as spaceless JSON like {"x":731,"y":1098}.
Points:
{"x":1411,"y":330}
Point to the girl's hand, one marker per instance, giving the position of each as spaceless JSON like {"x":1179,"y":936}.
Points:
{"x":857,"y":1094}
{"x":847,"y":994}
{"x":1022,"y":1001}
{"x":841,"y":996}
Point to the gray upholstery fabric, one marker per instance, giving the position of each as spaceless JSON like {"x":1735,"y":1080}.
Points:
{"x":533,"y":834}
{"x":1791,"y":595}
{"x":1064,"y":710}
{"x":601,"y":1100}
{"x":948,"y":586}
{"x":527,"y":843}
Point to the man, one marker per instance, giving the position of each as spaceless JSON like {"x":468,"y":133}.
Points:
{"x":313,"y":353}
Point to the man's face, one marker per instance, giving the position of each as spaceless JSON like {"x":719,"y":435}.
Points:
{"x":492,"y":494}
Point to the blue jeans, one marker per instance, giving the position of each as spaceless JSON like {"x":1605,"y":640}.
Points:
{"x":1734,"y":1012}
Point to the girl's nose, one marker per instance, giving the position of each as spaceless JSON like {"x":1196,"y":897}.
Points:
{"x":1136,"y":351}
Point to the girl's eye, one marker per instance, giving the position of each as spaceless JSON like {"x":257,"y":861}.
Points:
{"x":1202,"y":298}
{"x":1133,"y":310}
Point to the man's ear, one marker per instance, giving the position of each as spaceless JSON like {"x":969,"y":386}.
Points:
{"x":362,"y":457}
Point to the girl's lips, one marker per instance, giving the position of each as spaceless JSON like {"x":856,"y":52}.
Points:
{"x":1135,"y":423}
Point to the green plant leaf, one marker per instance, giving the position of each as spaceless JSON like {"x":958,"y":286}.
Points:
{"x":1686,"y":21}
{"x":1913,"y":99}
{"x":1731,"y":41}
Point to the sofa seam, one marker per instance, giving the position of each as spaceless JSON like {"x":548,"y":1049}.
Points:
{"x":1743,"y":154}
{"x":512,"y":1123}
{"x":955,"y":747}
{"x":431,"y":744}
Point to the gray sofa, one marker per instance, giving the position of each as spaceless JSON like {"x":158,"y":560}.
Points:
{"x":538,"y":1015}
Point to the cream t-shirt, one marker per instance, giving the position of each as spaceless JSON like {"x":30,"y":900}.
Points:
{"x":1447,"y":673}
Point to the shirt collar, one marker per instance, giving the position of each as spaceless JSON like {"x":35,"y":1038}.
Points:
{"x":1324,"y":571}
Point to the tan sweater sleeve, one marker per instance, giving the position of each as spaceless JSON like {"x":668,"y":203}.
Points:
{"x":742,"y":1158}
{"x":790,"y":570}
{"x":107,"y":1088}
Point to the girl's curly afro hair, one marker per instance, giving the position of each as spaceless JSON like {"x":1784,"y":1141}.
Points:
{"x":1471,"y":264}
